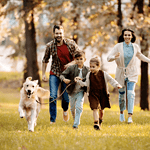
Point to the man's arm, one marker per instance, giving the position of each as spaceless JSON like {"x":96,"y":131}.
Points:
{"x":44,"y":65}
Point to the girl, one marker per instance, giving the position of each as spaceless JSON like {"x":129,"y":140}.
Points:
{"x":96,"y":82}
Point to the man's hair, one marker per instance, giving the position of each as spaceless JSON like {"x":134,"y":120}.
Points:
{"x":121,"y":39}
{"x":57,"y":27}
{"x":95,"y":60}
{"x":79,"y":53}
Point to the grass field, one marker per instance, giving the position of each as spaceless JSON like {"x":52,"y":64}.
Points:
{"x":114,"y":135}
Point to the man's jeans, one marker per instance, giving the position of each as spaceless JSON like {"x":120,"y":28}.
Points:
{"x":76,"y":107}
{"x":54,"y":82}
{"x":130,"y":97}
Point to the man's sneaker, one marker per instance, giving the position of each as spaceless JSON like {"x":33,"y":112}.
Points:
{"x":65,"y":116}
{"x":122,"y":117}
{"x":52,"y":122}
{"x":130,"y":120}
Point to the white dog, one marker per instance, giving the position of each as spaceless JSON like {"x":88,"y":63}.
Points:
{"x":28,"y":107}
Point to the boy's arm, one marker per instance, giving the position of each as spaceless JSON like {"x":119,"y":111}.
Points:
{"x":112,"y":81}
{"x":64,"y":75}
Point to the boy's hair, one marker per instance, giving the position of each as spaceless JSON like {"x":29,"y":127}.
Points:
{"x":79,"y":53}
{"x":95,"y":60}
{"x":57,"y":27}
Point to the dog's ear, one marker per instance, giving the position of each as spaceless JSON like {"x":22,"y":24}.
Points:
{"x":36,"y":81}
{"x":29,"y":78}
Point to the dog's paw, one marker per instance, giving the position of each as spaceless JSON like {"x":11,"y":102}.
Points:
{"x":31,"y":130}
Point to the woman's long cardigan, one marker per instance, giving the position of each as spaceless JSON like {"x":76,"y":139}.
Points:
{"x":131,"y":69}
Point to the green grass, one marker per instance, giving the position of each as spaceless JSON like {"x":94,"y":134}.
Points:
{"x":114,"y":135}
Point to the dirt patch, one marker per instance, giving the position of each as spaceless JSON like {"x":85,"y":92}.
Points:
{"x":11,"y":84}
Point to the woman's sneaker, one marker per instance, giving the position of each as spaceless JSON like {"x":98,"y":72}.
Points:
{"x":122,"y":117}
{"x":130,"y":120}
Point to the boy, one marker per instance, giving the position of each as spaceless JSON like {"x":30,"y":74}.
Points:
{"x":76,"y":93}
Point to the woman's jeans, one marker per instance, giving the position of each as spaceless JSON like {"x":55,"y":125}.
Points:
{"x":54,"y":82}
{"x":76,"y":107}
{"x":130,"y":97}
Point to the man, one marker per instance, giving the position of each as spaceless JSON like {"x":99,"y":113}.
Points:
{"x":62,"y":51}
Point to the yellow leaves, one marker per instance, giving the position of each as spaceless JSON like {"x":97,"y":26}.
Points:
{"x":107,"y":37}
{"x":113,"y":23}
{"x":14,"y":39}
{"x":75,"y":36}
{"x":93,"y":16}
{"x":104,"y":7}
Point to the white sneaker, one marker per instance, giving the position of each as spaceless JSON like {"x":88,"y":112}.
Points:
{"x":130,"y":120}
{"x":122,"y":117}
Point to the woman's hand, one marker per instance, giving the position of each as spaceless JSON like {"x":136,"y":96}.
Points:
{"x":117,"y":55}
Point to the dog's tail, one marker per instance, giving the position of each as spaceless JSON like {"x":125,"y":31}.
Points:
{"x":42,"y":93}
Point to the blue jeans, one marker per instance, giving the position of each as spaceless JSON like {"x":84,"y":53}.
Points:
{"x":130,"y":97}
{"x":54,"y":82}
{"x":76,"y":107}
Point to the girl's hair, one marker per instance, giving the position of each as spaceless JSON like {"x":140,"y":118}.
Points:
{"x":121,"y":39}
{"x":95,"y":60}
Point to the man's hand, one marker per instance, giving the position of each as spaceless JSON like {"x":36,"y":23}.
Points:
{"x":67,"y":81}
{"x":44,"y":78}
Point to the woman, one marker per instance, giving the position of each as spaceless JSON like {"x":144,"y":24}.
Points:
{"x":125,"y":53}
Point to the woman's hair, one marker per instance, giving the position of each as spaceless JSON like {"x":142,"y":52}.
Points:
{"x":121,"y":39}
{"x":95,"y":60}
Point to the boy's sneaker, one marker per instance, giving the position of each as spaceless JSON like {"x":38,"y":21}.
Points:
{"x":65,"y":116}
{"x":130,"y":120}
{"x":122,"y":117}
{"x":74,"y":127}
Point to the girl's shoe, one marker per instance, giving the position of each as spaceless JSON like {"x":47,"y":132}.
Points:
{"x":122,"y":117}
{"x":130,"y":120}
{"x":96,"y":125}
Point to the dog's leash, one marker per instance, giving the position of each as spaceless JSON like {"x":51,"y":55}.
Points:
{"x":57,"y":97}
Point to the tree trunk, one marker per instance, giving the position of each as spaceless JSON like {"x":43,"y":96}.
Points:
{"x":31,"y":68}
{"x":119,"y":14}
{"x":144,"y":66}
{"x":144,"y":104}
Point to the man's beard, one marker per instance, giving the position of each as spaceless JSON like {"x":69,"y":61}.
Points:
{"x":58,"y":41}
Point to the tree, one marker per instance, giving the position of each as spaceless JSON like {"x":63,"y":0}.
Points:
{"x":144,"y":103}
{"x":31,"y":68}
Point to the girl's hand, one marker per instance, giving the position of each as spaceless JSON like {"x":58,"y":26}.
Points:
{"x":119,"y":86}
{"x":77,"y":79}
{"x":67,"y":81}
{"x":117,"y":55}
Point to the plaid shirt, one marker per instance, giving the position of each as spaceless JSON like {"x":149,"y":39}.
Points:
{"x":51,"y":49}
